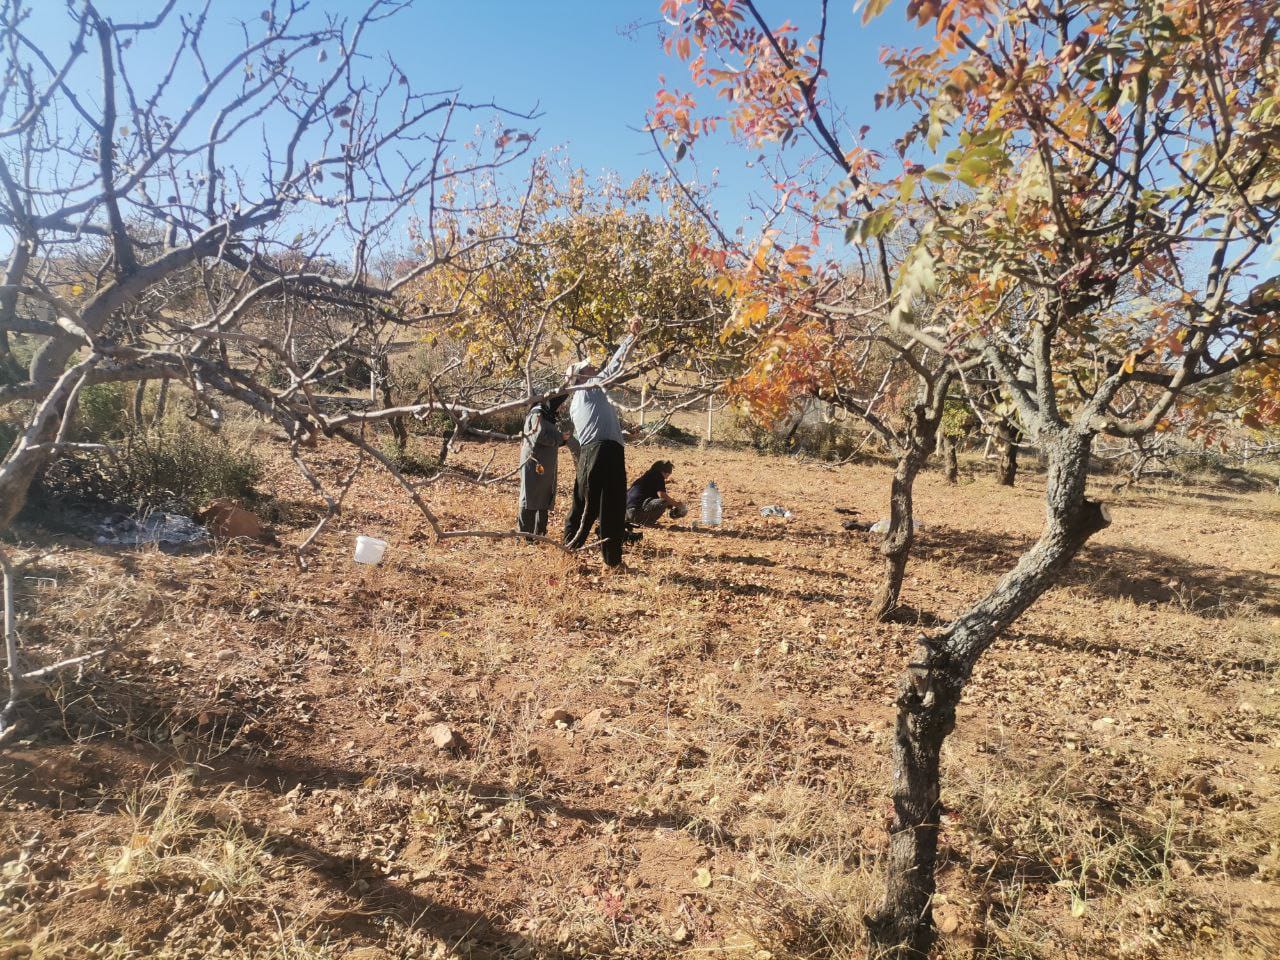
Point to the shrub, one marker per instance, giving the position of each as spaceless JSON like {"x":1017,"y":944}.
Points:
{"x":8,"y":434}
{"x":826,"y":440}
{"x":178,"y":468}
{"x":409,"y":461}
{"x":11,"y":370}
{"x":17,"y":358}
{"x":437,"y":423}
{"x":674,"y":434}
{"x":511,"y":421}
{"x":958,"y":419}
{"x":102,"y":413}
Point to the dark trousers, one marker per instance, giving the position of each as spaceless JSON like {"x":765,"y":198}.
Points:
{"x":599,"y":493}
{"x":533,"y":521}
{"x":647,"y":513}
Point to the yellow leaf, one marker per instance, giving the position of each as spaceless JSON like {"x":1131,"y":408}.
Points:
{"x":702,"y":877}
{"x":77,"y":289}
{"x":121,"y":866}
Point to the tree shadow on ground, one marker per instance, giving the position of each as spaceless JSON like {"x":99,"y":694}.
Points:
{"x":380,"y":897}
{"x":100,"y":768}
{"x":762,"y":534}
{"x":841,"y":575}
{"x":1025,"y":857}
{"x":1115,"y":572}
{"x":362,"y":897}
{"x":744,"y":559}
{"x":1261,"y":665}
{"x":763,"y":590}
{"x":911,"y":616}
{"x":1228,"y":504}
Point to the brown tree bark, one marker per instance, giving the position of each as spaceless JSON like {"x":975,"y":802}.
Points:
{"x":951,"y":468}
{"x":895,"y":548}
{"x":382,"y":377}
{"x":931,"y":688}
{"x":919,"y":442}
{"x":139,"y":398}
{"x":161,"y":399}
{"x":1009,"y":437}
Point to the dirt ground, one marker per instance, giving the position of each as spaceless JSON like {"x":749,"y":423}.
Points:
{"x":488,"y":749}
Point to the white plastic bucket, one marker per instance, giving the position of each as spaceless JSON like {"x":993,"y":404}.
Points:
{"x":370,"y":550}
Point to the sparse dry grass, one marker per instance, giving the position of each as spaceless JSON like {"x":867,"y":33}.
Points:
{"x":252,"y":773}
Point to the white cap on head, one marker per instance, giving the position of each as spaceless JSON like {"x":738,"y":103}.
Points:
{"x":576,"y":369}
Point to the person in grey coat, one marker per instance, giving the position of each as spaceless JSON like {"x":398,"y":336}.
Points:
{"x":539,"y":462}
{"x":600,"y":489}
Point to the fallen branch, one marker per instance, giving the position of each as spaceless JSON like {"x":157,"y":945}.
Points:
{"x":10,"y":646}
{"x":63,"y":664}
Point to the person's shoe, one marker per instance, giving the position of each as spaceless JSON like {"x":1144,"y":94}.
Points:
{"x":632,"y":536}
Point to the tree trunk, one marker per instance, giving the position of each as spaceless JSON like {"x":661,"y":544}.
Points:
{"x":927,"y":699}
{"x":1009,"y":435}
{"x":951,"y":468}
{"x":789,"y":442}
{"x":931,"y":689}
{"x":913,"y":452}
{"x":161,"y":399}
{"x":139,"y":398}
{"x":18,"y":469}
{"x":381,"y":378}
{"x":896,"y":546}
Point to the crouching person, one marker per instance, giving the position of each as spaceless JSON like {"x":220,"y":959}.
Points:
{"x":647,"y":498}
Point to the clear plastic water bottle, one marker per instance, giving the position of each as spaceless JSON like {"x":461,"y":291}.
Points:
{"x":712,"y":507}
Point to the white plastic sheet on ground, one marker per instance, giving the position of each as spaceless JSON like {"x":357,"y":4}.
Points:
{"x":157,"y":527}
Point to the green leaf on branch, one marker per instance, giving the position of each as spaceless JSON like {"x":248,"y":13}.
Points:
{"x":934,"y":136}
{"x":973,"y":170}
{"x":872,"y":225}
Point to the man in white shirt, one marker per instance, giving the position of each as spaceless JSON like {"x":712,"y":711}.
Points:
{"x":600,"y":489}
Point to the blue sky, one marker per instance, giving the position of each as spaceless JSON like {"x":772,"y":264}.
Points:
{"x":591,"y":66}
{"x":595,"y":78}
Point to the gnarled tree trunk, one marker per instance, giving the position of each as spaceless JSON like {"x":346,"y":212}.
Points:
{"x":399,"y":430}
{"x":951,"y":468}
{"x":1009,"y":436}
{"x":934,"y":682}
{"x":920,"y":441}
{"x":139,"y":398}
{"x":161,"y":400}
{"x":897,"y":542}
